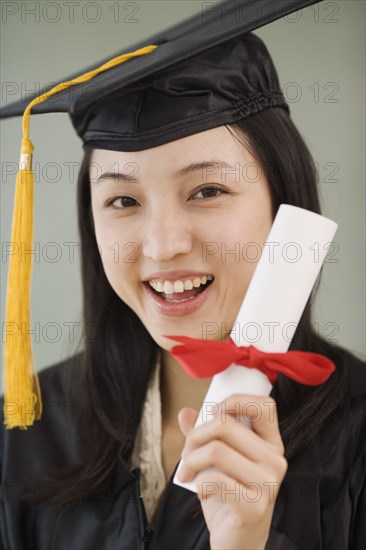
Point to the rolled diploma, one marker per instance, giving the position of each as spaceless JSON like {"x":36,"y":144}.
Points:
{"x":274,"y":302}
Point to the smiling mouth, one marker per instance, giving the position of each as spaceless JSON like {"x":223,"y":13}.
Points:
{"x":181,"y":296}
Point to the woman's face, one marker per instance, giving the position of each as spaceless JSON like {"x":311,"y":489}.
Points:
{"x":190,"y":218}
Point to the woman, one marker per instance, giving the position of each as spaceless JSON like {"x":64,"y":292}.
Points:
{"x":145,"y":214}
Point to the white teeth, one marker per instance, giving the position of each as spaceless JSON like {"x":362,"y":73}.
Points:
{"x":178,"y":286}
{"x":170,"y":287}
{"x":188,"y":285}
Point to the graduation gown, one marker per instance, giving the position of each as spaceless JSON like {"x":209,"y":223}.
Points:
{"x":321,"y":504}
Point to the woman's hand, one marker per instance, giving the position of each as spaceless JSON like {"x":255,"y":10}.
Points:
{"x":238,"y":470}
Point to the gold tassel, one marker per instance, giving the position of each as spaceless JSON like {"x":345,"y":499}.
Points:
{"x":22,"y":395}
{"x":22,"y":399}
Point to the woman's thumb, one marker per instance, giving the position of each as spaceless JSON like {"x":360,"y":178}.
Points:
{"x":186,"y":419}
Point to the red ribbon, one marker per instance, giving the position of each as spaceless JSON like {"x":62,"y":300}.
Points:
{"x":201,"y":359}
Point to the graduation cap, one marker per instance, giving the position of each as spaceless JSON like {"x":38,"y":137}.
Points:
{"x":202,"y":73}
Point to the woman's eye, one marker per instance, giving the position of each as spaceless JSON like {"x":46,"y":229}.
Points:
{"x":121,"y":202}
{"x":208,"y":192}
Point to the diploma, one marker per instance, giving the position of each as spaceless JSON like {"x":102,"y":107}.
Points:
{"x":274,"y":302}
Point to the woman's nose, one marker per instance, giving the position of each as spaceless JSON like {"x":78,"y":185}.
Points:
{"x":167,"y":234}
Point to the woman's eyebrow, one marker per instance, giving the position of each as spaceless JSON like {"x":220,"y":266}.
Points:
{"x":116,"y":177}
{"x":207,"y":168}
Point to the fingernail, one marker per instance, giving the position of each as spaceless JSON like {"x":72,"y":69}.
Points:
{"x":181,"y":476}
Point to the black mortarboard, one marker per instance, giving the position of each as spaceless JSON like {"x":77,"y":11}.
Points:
{"x":205,"y":72}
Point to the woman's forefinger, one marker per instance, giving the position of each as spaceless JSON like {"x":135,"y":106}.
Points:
{"x":261,"y":411}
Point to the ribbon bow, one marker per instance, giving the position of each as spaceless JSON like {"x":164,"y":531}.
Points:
{"x":201,"y":359}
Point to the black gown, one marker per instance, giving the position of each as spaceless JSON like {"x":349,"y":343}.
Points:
{"x":321,"y":504}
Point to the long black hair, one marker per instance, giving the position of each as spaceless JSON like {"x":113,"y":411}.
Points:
{"x":117,"y":364}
